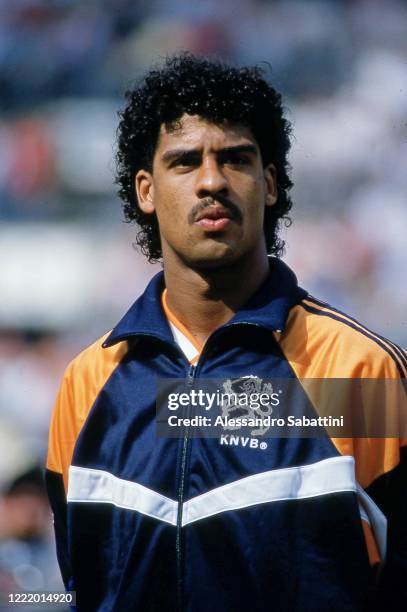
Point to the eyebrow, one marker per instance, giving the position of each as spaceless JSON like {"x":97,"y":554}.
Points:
{"x":172,"y":154}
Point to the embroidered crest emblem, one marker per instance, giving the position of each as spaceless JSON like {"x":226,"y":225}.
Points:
{"x":240,"y":400}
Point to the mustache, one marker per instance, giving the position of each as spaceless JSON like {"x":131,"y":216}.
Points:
{"x":210,"y":201}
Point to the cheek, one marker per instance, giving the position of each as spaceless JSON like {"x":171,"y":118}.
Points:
{"x":255,"y":199}
{"x":250,"y":188}
{"x":255,"y":209}
{"x":172,"y":212}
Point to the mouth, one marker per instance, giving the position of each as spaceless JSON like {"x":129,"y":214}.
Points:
{"x":214,"y":218}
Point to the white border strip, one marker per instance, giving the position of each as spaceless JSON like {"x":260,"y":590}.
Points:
{"x":376,"y":519}
{"x":333,"y":475}
{"x":96,"y":486}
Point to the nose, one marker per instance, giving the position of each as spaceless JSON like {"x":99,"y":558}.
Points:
{"x":210,"y":178}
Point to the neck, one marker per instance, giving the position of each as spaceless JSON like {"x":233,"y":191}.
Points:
{"x":203,"y":300}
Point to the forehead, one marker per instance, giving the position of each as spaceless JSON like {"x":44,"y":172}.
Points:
{"x":194,"y":131}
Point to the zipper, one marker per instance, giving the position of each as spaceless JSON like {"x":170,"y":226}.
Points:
{"x":191,"y":376}
{"x":181,"y":491}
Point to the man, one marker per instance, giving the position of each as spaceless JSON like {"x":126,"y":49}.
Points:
{"x":149,"y":523}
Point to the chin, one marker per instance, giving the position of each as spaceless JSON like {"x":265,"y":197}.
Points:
{"x":213,"y":258}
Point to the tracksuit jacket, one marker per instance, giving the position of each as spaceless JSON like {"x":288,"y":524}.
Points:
{"x":196,"y":524}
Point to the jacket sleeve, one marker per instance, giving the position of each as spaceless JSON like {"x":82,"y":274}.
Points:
{"x":81,"y":384}
{"x":61,"y":439}
{"x":390,"y":493}
{"x":57,"y":498}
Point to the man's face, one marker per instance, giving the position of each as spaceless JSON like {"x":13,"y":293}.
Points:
{"x":209,"y":190}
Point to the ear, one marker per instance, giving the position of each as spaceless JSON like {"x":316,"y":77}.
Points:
{"x":144,"y":186}
{"x":270,"y":178}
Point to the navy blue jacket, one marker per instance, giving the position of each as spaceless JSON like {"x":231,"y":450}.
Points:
{"x":157,"y":524}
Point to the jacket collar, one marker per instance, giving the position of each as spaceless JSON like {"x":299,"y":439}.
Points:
{"x":268,"y":307}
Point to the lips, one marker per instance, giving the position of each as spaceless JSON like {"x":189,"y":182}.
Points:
{"x":214,"y":218}
{"x":214,"y":213}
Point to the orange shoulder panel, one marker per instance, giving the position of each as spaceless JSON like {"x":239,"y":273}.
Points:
{"x":319,"y":346}
{"x":83,"y":379}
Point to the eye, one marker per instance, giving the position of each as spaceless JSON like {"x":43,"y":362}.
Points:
{"x":188,"y":160}
{"x":235,"y":159}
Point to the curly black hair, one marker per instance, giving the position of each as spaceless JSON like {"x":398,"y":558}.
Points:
{"x":216,"y":92}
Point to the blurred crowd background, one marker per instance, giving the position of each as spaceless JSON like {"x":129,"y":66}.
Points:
{"x":68,"y":268}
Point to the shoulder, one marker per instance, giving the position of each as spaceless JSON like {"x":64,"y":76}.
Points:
{"x":93,"y":366}
{"x":323,"y":341}
{"x":84,"y":378}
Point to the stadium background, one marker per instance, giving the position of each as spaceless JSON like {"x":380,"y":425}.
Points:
{"x":68,"y":269}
